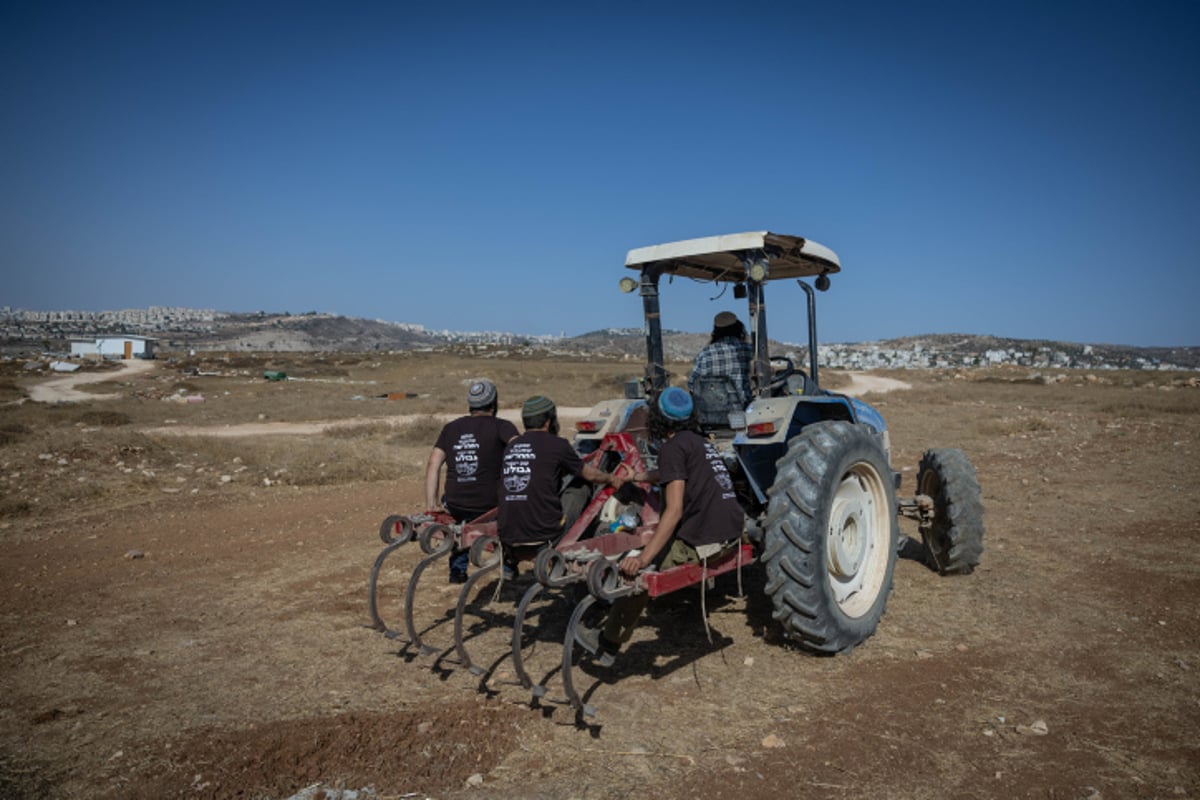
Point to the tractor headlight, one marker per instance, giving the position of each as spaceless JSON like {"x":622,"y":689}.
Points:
{"x":628,"y":284}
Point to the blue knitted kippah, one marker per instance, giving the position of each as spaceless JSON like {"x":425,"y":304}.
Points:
{"x":675,"y":403}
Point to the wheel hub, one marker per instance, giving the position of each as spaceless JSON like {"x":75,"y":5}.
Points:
{"x":851,"y":540}
{"x":848,"y":542}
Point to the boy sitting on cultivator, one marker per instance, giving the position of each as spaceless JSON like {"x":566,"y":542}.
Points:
{"x":474,"y":445}
{"x":533,"y":507}
{"x":701,"y":515}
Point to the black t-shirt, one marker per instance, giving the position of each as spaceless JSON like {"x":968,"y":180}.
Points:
{"x":535,"y":464}
{"x":474,"y":447}
{"x":711,"y":513}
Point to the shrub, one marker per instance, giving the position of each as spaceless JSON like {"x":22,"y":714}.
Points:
{"x":421,"y":431}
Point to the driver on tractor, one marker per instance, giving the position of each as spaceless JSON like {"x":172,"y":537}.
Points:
{"x":728,"y":353}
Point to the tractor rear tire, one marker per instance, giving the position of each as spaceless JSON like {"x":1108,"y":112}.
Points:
{"x":830,"y":536}
{"x":954,"y":542}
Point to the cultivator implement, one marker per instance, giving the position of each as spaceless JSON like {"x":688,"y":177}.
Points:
{"x":583,"y":562}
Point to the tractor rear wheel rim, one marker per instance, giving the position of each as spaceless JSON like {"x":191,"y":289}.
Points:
{"x":859,"y":532}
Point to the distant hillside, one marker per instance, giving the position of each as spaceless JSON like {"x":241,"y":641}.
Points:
{"x":182,"y":329}
{"x":677,"y":345}
{"x":327,"y":332}
{"x":303,"y":332}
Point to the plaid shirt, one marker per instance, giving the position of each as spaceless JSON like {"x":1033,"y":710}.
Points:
{"x":730,"y":357}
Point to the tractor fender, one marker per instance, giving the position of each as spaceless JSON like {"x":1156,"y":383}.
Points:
{"x":607,"y":416}
{"x":787,"y":415}
{"x":771,"y":422}
{"x":866,"y":414}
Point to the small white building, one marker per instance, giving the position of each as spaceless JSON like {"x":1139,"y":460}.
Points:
{"x":119,"y":346}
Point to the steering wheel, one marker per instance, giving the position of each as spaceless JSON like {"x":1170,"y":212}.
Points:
{"x":779,"y":376}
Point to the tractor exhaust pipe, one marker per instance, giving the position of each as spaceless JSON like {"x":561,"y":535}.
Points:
{"x":812,"y":330}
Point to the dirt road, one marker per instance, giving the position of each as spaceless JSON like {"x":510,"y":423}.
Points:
{"x":62,"y":390}
{"x":861,"y":383}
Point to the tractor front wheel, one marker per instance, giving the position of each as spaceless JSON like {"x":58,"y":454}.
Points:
{"x":829,"y":541}
{"x":954,"y":539}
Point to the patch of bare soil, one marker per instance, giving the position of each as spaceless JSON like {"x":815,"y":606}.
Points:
{"x":215,"y":644}
{"x":435,"y":746}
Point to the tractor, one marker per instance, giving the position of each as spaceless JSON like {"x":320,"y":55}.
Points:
{"x":811,"y":467}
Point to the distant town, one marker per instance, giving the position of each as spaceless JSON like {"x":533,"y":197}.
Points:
{"x":25,"y":332}
{"x":925,"y":356}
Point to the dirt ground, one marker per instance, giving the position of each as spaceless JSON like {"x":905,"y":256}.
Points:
{"x":212,"y":642}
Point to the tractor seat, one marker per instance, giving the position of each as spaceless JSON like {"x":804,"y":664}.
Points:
{"x":716,"y":397}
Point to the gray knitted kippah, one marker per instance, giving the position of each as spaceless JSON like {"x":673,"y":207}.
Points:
{"x":725,"y":319}
{"x":538,"y":404}
{"x":481,"y":394}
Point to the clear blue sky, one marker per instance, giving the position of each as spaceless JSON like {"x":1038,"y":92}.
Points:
{"x":1020,"y":169}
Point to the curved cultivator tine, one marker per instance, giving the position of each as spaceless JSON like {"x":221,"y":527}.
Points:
{"x":518,"y":625}
{"x":437,"y":549}
{"x":568,"y":651}
{"x":552,"y":572}
{"x":373,"y":589}
{"x":394,"y":531}
{"x":605,"y":584}
{"x":460,"y":646}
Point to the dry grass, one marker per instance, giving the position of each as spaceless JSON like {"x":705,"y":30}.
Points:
{"x":211,"y":463}
{"x":104,"y":418}
{"x":1016,"y":426}
{"x":10,"y":391}
{"x":354,"y":387}
{"x":421,"y":432}
{"x":54,"y":455}
{"x":358,"y":430}
{"x":13,"y":506}
{"x":1148,"y":404}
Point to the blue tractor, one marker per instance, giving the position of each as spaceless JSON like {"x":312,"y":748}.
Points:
{"x":812,"y":467}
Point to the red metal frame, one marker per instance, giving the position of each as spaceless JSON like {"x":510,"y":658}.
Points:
{"x":684,"y":575}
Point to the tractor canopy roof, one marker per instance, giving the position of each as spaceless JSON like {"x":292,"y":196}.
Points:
{"x":726,"y":258}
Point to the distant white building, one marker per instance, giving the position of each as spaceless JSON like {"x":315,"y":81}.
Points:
{"x":123,"y":346}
